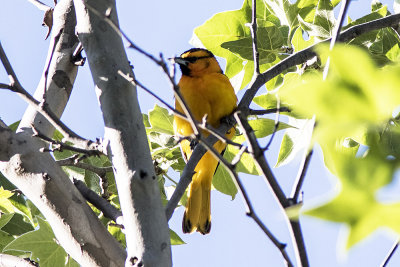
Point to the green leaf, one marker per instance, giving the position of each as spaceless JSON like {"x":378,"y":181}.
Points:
{"x":356,"y":204}
{"x":92,"y":180}
{"x":41,"y":243}
{"x":225,"y":27}
{"x":228,"y":30}
{"x":17,"y":225}
{"x":263,"y":127}
{"x":71,"y":262}
{"x":289,"y":13}
{"x":295,"y":139}
{"x":17,"y":200}
{"x":175,"y":239}
{"x":267,"y":101}
{"x":298,"y":41}
{"x":356,"y":95}
{"x":246,"y":163}
{"x":5,"y":204}
{"x":13,"y":127}
{"x":161,"y":120}
{"x":270,"y":42}
{"x":118,"y":234}
{"x":5,"y":239}
{"x":146,"y":121}
{"x":325,"y":18}
{"x":5,"y":218}
{"x":222,"y":180}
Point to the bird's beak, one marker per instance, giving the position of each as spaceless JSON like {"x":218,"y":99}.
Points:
{"x":180,"y":61}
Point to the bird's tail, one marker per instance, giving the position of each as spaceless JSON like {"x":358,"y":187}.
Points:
{"x":198,"y":210}
{"x":197,"y":213}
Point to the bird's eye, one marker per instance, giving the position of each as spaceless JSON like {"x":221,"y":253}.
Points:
{"x":192,"y":59}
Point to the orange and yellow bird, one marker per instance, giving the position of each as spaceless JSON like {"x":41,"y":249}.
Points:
{"x":207,"y":93}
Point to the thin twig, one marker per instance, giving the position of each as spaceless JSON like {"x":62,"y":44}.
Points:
{"x":40,"y":5}
{"x":390,"y":255}
{"x":239,"y":155}
{"x":300,"y":247}
{"x":258,"y":155}
{"x":42,"y":108}
{"x":59,"y":146}
{"x":71,"y":161}
{"x":135,"y":82}
{"x":300,"y":178}
{"x":46,"y":72}
{"x":276,"y":125}
{"x":268,"y":111}
{"x":253,"y":31}
{"x":100,"y":203}
{"x":336,"y":33}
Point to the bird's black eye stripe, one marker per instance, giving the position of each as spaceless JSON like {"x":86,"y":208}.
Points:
{"x":194,"y":59}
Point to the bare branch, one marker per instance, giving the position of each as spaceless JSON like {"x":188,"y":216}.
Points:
{"x":100,"y":203}
{"x":59,"y":146}
{"x":253,"y":31}
{"x":390,"y":255}
{"x":16,"y":87}
{"x":10,"y":260}
{"x":74,"y":161}
{"x":336,"y":33}
{"x":300,"y":178}
{"x":46,"y":72}
{"x":40,"y":5}
{"x":258,"y":154}
{"x":268,"y":111}
{"x":238,"y":156}
{"x":137,"y":83}
{"x":276,"y":125}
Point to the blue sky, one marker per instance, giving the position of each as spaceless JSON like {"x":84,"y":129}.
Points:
{"x":235,"y":240}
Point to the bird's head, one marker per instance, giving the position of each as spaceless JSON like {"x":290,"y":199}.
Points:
{"x":196,"y":62}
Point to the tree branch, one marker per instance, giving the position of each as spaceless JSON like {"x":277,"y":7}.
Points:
{"x":147,"y":233}
{"x":42,"y":108}
{"x":74,"y":161}
{"x":10,"y":260}
{"x":253,"y":31}
{"x":40,"y":5}
{"x":300,"y":178}
{"x":336,"y":33}
{"x":306,"y":54}
{"x":100,"y":203}
{"x":390,"y":255}
{"x":41,"y":179}
{"x":258,"y":155}
{"x":59,"y":146}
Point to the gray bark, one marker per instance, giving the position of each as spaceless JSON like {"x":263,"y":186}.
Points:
{"x":146,"y":229}
{"x":39,"y":177}
{"x":42,"y":180}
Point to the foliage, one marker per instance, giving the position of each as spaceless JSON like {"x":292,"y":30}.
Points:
{"x":353,"y":109}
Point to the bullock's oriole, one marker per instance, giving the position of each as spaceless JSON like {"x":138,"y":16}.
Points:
{"x":207,"y":92}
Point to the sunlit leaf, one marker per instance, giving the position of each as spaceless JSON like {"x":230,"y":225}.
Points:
{"x":161,"y":120}
{"x":175,"y":239}
{"x":222,"y":180}
{"x":5,"y":204}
